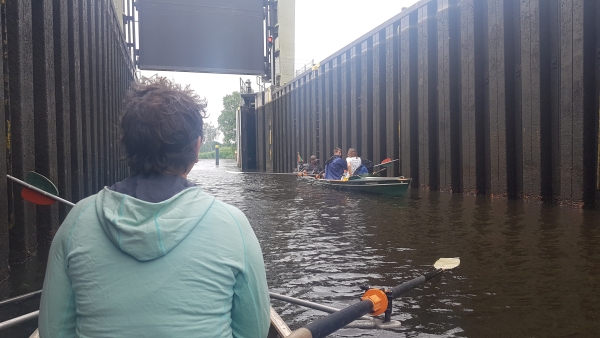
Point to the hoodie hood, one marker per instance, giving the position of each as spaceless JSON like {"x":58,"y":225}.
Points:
{"x":148,"y":230}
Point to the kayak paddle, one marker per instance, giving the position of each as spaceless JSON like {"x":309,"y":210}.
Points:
{"x":374,"y":301}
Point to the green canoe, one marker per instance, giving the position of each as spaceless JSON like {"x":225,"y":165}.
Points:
{"x":387,"y":186}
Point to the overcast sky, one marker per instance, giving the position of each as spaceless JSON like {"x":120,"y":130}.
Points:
{"x":322,"y":28}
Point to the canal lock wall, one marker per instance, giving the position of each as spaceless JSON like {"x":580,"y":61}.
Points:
{"x":494,"y":97}
{"x":65,"y":69}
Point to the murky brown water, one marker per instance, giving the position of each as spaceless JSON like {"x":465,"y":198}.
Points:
{"x":527,"y":269}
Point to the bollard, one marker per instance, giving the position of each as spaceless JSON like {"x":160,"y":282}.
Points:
{"x":216,"y":154}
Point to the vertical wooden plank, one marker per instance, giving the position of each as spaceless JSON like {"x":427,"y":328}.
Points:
{"x":101,"y":85}
{"x":323,"y":150}
{"x":270,"y":131}
{"x":113,"y":97}
{"x":531,"y":98}
{"x":355,"y":96}
{"x":329,"y":101}
{"x":44,"y":111}
{"x":379,"y":105}
{"x":427,"y":105}
{"x":468,"y":177}
{"x":107,"y":94}
{"x":497,"y":98}
{"x":423,"y":97}
{"x":4,"y":127}
{"x":316,"y":140}
{"x":482,"y":130}
{"x":432,"y":69}
{"x":63,"y":103}
{"x":326,"y":109}
{"x":597,"y":125}
{"x":413,"y":55}
{"x":572,"y":100}
{"x":345,"y":100}
{"x":93,"y":78}
{"x":336,"y":104}
{"x":290,"y":154}
{"x":274,"y":131}
{"x":23,"y":236}
{"x":298,"y":118}
{"x":454,"y":49}
{"x":555,"y":98}
{"x":261,"y":138}
{"x":280,"y":130}
{"x":104,"y":56}
{"x":264,"y":129}
{"x":306,"y":114}
{"x":589,"y":138}
{"x":548,"y":25}
{"x":392,"y":97}
{"x":259,"y":130}
{"x":567,"y":99}
{"x":405,"y":97}
{"x":365,"y":149}
{"x":444,"y":97}
{"x":283,"y":130}
{"x":294,"y":124}
{"x":512,"y":97}
{"x":85,"y":97}
{"x":303,"y":117}
{"x":114,"y":86}
{"x":77,"y":169}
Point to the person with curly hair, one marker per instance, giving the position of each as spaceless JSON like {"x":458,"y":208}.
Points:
{"x":154,"y":255}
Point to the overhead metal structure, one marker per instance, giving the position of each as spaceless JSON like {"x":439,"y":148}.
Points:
{"x":212,"y":36}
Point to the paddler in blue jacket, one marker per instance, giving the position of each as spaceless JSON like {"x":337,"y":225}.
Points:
{"x":154,"y":255}
{"x":335,"y":166}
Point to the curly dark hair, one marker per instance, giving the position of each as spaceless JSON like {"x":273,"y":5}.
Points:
{"x":160,"y":126}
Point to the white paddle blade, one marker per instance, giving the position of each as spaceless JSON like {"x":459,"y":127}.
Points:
{"x":447,"y":263}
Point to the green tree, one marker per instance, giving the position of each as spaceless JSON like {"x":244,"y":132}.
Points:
{"x":231,"y":103}
{"x":211,"y":133}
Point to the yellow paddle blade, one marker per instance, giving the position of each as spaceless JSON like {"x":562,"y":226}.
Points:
{"x":447,"y":263}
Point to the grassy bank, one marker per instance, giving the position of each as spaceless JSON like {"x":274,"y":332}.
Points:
{"x":224,"y":153}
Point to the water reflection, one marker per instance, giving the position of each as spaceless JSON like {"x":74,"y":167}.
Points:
{"x":527,"y":269}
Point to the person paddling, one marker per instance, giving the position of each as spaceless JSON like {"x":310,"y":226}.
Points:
{"x":154,"y":255}
{"x":335,"y":166}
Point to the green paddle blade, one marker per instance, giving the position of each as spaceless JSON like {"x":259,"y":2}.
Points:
{"x":42,"y":183}
{"x":447,"y":263}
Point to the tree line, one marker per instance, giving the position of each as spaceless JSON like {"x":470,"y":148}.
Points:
{"x":226,"y":125}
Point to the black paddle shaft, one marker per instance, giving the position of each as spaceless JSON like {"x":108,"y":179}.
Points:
{"x":413,"y":283}
{"x":328,"y":325}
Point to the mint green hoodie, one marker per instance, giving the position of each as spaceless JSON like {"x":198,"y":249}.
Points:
{"x":189,"y":266}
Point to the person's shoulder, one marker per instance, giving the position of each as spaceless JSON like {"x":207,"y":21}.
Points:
{"x":80,"y":207}
{"x":229,"y":209}
{"x":85,"y":206}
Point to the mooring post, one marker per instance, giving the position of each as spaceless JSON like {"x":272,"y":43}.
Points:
{"x":216,"y":154}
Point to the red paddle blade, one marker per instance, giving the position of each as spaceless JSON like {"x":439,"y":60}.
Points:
{"x":41,"y":182}
{"x":387,"y":160}
{"x":36,"y":197}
